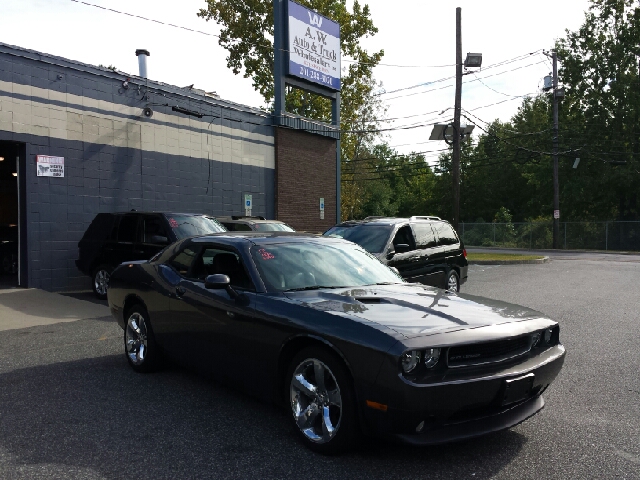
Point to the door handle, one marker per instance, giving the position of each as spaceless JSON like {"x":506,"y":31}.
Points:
{"x":180,"y":291}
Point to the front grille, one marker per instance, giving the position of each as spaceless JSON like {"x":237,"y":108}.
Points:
{"x":489,"y":352}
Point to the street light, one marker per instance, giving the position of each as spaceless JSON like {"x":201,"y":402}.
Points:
{"x":473,"y":60}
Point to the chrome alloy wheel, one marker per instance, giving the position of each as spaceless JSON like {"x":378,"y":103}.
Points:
{"x":452,"y":282}
{"x":316,"y":402}
{"x":101,"y":281}
{"x":136,"y":339}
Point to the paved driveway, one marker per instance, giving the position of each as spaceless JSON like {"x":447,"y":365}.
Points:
{"x":70,"y":407}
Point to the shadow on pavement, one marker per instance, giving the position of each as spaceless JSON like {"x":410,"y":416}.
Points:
{"x":87,"y":297}
{"x":97,"y":418}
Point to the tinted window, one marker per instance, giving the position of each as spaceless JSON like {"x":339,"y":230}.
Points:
{"x":424,"y":235}
{"x":100,"y":228}
{"x":230,"y":226}
{"x":152,"y":225}
{"x":183,"y":260}
{"x":241,"y":227}
{"x":215,"y":260}
{"x":188,"y":225}
{"x":297,"y":266}
{"x":404,"y":236}
{"x":372,"y":238}
{"x":273,"y":227}
{"x":446,"y":235}
{"x":127,"y":229}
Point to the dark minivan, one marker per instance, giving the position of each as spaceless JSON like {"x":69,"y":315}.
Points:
{"x":113,"y":238}
{"x":423,"y":249}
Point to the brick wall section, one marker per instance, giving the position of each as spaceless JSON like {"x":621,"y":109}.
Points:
{"x":305,"y":172}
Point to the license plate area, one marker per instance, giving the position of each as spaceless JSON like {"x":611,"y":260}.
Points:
{"x":517,"y":389}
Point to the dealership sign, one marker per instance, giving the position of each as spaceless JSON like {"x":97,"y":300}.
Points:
{"x":314,"y":47}
{"x":50,"y":166}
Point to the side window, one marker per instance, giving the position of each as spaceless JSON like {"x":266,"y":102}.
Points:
{"x":404,"y":235}
{"x":216,"y":260}
{"x":425,"y":237}
{"x":446,"y":235}
{"x":114,"y":230}
{"x":152,"y":225}
{"x":229,"y":226}
{"x":183,"y":260}
{"x":127,"y":229}
{"x":241,"y":227}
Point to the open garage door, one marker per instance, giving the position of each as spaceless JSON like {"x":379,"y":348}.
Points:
{"x":12,"y":216}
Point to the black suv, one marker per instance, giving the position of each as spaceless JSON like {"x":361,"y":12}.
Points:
{"x":422,"y":249}
{"x":113,"y":238}
{"x":238,"y":223}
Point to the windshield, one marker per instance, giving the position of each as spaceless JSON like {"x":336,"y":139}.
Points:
{"x":273,"y":227}
{"x":188,"y":225}
{"x":310,"y":266}
{"x":373,"y":238}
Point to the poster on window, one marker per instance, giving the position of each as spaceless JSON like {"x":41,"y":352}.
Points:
{"x":50,"y":166}
{"x":314,"y":47}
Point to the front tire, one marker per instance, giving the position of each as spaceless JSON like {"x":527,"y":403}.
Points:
{"x":100,"y":281}
{"x":322,"y":401}
{"x":140,"y":347}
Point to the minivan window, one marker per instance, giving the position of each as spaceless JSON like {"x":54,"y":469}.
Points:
{"x":446,"y":235}
{"x":373,"y":238}
{"x":424,"y":235}
{"x":188,"y":225}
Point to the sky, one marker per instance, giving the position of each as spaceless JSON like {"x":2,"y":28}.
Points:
{"x":418,"y":37}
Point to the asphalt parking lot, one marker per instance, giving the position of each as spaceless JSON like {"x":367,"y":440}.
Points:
{"x":70,"y":406}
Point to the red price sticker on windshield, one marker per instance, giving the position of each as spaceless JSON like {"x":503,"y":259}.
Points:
{"x":173,"y":223}
{"x":266,"y":255}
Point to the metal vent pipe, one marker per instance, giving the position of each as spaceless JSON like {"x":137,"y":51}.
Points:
{"x":142,"y":55}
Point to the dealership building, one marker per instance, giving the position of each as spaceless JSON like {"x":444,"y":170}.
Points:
{"x":77,"y":140}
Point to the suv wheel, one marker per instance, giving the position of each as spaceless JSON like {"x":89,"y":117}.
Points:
{"x":100,"y":281}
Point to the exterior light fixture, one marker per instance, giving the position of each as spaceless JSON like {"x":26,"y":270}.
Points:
{"x":1,"y":159}
{"x":473,"y":60}
{"x":15,"y":174}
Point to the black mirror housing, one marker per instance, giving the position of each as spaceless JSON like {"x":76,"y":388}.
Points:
{"x":403,"y":248}
{"x":217,"y":281}
{"x":159,"y":239}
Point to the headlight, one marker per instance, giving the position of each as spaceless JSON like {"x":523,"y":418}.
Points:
{"x":431,"y":357}
{"x":535,"y":339}
{"x":548,"y":334}
{"x":410,"y":360}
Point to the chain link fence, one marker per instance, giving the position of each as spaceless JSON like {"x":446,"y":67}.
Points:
{"x":622,"y":236}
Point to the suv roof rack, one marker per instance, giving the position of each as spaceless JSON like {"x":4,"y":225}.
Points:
{"x":242,"y":217}
{"x":422,"y":217}
{"x":375,"y":218}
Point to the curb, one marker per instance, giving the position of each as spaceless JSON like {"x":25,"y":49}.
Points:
{"x":545,"y":259}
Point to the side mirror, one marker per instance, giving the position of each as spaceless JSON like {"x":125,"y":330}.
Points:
{"x":159,"y":240}
{"x":403,"y":248}
{"x":217,"y":281}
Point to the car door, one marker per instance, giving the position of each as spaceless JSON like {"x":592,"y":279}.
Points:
{"x":153,"y":236}
{"x":214,"y":319}
{"x":430,"y":255}
{"x":407,"y":263}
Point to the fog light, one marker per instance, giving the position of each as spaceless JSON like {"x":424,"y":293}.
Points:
{"x":420,"y":427}
{"x":548,"y":333}
{"x":410,"y":360}
{"x":431,"y":357}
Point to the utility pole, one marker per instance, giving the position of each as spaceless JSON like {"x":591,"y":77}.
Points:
{"x":455,"y":159}
{"x":556,"y":188}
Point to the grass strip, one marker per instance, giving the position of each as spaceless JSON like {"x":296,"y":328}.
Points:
{"x":501,"y":256}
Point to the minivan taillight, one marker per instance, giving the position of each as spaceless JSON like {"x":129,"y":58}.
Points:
{"x":464,"y":252}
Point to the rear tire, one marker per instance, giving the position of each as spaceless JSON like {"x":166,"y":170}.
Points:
{"x":140,"y":347}
{"x":100,"y":281}
{"x":322,"y":401}
{"x":453,"y":282}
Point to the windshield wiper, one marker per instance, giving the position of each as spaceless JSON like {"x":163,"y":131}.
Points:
{"x":312,"y":287}
{"x":382,"y":283}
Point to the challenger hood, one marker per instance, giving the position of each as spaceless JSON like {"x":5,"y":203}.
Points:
{"x":412,"y":309}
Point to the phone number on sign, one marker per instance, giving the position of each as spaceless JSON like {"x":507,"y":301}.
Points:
{"x":316,"y":76}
